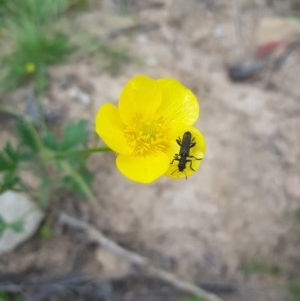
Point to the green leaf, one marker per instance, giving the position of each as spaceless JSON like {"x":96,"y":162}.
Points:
{"x":12,"y":154}
{"x":17,"y":226}
{"x":27,"y":155}
{"x":75,"y":134}
{"x":8,"y":158}
{"x":26,"y":133}
{"x":49,"y":140}
{"x":4,"y":163}
{"x":9,"y":181}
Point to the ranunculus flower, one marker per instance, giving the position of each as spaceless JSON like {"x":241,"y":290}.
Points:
{"x":143,"y":129}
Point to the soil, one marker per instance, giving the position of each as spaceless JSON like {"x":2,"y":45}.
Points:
{"x":239,"y":211}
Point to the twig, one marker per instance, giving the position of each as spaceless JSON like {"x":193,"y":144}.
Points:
{"x":136,"y":259}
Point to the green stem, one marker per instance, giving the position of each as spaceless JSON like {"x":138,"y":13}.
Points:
{"x":79,"y":152}
{"x":78,"y":179}
{"x":87,"y":151}
{"x":96,"y":149}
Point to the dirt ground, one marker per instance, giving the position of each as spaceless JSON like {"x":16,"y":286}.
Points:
{"x":241,"y":207}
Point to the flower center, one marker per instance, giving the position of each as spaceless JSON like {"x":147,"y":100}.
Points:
{"x":146,"y":136}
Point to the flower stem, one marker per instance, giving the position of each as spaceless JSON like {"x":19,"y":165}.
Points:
{"x":97,"y":149}
{"x":85,"y":151}
{"x":78,"y":179}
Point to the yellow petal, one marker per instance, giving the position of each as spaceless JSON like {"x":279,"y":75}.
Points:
{"x":179,"y":105}
{"x":143,"y":169}
{"x":140,"y":97}
{"x":193,"y":161}
{"x":110,"y":128}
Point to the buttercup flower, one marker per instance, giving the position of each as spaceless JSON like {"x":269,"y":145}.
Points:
{"x":146,"y":130}
{"x":30,"y":67}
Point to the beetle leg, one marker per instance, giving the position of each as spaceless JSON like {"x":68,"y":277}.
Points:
{"x":195,"y":158}
{"x":178,"y":141}
{"x":191,"y":167}
{"x":176,"y":158}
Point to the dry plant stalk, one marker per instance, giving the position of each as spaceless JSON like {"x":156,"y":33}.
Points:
{"x":136,"y":259}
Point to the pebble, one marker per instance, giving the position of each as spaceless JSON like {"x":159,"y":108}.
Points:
{"x":14,"y":207}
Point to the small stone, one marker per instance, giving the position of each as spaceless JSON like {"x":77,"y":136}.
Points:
{"x":80,"y":96}
{"x":17,"y":207}
{"x":218,"y":32}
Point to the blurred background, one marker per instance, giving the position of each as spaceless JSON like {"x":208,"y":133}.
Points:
{"x":232,"y":228}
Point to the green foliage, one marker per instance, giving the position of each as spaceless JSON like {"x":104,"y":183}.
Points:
{"x":73,"y":163}
{"x":40,"y":14}
{"x":32,"y":39}
{"x":9,"y":181}
{"x":27,"y":134}
{"x":31,"y":57}
{"x":257,"y":267}
{"x":4,"y":296}
{"x":9,"y":160}
{"x":58,"y":163}
{"x":16,"y":226}
{"x":74,"y":134}
{"x":33,"y":43}
{"x":45,"y":232}
{"x":294,"y":291}
{"x":193,"y":299}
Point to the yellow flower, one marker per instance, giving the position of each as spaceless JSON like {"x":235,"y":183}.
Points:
{"x":143,"y":129}
{"x":30,"y":67}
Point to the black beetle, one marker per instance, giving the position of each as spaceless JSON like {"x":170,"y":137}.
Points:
{"x":186,"y":143}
